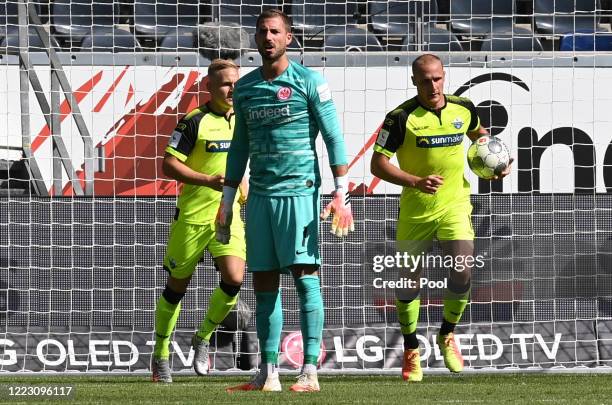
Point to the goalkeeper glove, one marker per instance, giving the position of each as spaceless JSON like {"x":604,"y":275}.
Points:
{"x":224,"y":215}
{"x":340,"y":207}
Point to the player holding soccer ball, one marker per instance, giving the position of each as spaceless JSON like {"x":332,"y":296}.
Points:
{"x":280,"y":109}
{"x":426,"y":132}
{"x":196,"y":156}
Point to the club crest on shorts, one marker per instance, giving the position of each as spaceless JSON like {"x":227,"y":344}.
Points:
{"x":284,"y":93}
{"x":457,"y":123}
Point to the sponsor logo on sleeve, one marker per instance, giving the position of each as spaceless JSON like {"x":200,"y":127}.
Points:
{"x":383,"y":135}
{"x":324,"y":92}
{"x":175,"y":139}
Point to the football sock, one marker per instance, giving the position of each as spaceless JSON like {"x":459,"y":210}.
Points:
{"x":408,"y":314}
{"x":166,"y":313}
{"x":447,"y":327}
{"x":455,"y":301}
{"x":309,"y":369}
{"x":269,"y":321}
{"x":410,"y":341}
{"x":268,"y":368}
{"x":220,"y":304}
{"x":311,"y":316}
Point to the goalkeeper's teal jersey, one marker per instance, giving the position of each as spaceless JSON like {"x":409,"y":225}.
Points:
{"x":277,"y":123}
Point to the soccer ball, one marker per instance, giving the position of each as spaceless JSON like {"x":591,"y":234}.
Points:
{"x":239,"y":317}
{"x":488,"y":156}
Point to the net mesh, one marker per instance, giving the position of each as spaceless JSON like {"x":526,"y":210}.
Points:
{"x":80,"y":274}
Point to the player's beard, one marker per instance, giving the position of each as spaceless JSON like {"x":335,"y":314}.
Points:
{"x":275,"y":55}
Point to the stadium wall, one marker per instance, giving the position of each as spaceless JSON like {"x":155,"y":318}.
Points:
{"x":553,"y":115}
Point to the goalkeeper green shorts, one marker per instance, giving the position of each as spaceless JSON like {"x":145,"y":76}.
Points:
{"x":455,"y":224}
{"x":187,"y":243}
{"x":282,"y":231}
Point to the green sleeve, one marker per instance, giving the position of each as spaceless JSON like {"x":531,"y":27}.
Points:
{"x":238,"y":154}
{"x":324,"y":110}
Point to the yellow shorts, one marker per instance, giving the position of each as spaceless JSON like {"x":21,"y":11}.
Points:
{"x":187,"y":243}
{"x":455,"y":224}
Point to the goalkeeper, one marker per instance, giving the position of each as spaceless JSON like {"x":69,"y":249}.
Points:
{"x":426,"y":132}
{"x":196,"y":156}
{"x":280,"y":109}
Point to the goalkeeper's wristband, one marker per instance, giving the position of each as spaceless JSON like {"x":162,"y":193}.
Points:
{"x":341,"y":183}
{"x":229,"y":195}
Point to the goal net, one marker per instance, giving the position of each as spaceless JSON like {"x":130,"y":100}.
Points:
{"x":85,"y":208}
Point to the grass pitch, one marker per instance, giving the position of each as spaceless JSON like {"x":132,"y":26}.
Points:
{"x":435,"y":389}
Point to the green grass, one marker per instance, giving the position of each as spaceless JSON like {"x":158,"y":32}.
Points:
{"x":435,"y":389}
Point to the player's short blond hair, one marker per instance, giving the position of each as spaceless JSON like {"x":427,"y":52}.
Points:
{"x":425,"y":59}
{"x":218,"y":65}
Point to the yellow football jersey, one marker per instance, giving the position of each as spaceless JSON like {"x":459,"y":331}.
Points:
{"x":201,"y":140}
{"x":430,"y":142}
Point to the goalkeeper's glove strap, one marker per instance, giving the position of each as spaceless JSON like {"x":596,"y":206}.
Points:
{"x":341,"y":183}
{"x":229,"y":195}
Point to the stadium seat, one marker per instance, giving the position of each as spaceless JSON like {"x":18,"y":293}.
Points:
{"x":517,"y":42}
{"x":9,"y":19}
{"x":154,"y":19}
{"x":10,"y":43}
{"x":434,"y":40}
{"x":560,"y":17}
{"x":295,"y":45}
{"x":185,"y":41}
{"x":71,"y":21}
{"x":480,"y":17}
{"x":586,"y":41}
{"x":113,"y":41}
{"x":350,"y":39}
{"x":242,"y":12}
{"x":606,"y":6}
{"x":312,"y":17}
{"x":397,"y":18}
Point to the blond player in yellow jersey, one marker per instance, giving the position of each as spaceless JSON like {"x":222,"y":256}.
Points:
{"x":195,"y":156}
{"x":426,"y":134}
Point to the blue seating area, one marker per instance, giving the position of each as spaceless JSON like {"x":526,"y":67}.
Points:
{"x":322,"y":25}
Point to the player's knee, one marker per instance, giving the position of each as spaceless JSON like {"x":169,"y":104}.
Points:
{"x":459,"y":284}
{"x":231,"y":287}
{"x":178,"y":285}
{"x":407,"y":295}
{"x":266,"y":281}
{"x":232,"y":278}
{"x":173,"y":297}
{"x":301,"y":270}
{"x":308,"y":286}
